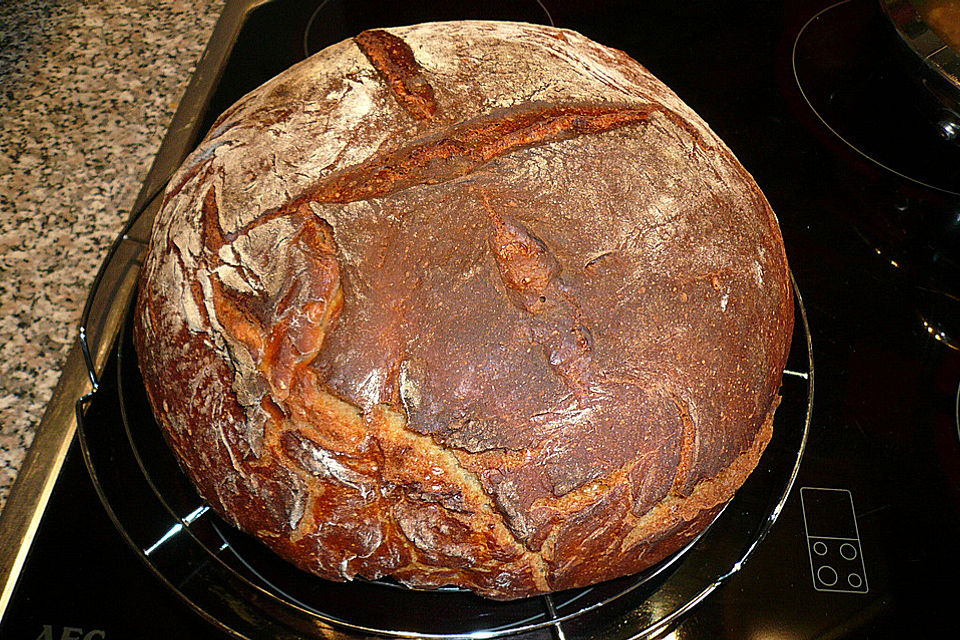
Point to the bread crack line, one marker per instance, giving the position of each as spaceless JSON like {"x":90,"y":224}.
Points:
{"x":282,"y":330}
{"x":456,"y":151}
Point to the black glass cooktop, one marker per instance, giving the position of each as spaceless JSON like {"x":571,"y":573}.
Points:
{"x":859,"y":543}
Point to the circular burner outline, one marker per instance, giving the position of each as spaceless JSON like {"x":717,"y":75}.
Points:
{"x":316,"y":12}
{"x":803,"y":94}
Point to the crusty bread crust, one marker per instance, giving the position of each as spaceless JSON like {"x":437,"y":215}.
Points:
{"x":472,"y":303}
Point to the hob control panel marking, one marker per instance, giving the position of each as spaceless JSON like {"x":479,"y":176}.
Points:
{"x":833,"y":541}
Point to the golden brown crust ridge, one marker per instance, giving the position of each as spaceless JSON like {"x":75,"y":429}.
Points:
{"x":394,"y":60}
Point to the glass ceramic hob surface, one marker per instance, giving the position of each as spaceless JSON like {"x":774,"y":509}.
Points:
{"x":864,"y":538}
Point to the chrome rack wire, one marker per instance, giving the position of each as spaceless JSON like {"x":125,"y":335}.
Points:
{"x":113,"y":274}
{"x":557,"y":627}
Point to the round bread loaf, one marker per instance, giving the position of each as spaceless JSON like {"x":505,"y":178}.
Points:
{"x":470,"y":303}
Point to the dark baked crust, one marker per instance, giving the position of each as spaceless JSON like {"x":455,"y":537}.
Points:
{"x":471,"y":303}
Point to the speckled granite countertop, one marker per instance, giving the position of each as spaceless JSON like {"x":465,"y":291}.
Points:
{"x":87,"y":90}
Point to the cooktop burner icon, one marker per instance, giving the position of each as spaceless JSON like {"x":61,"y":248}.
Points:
{"x":833,"y":541}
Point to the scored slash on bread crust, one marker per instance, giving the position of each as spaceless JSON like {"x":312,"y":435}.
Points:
{"x":480,"y":304}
